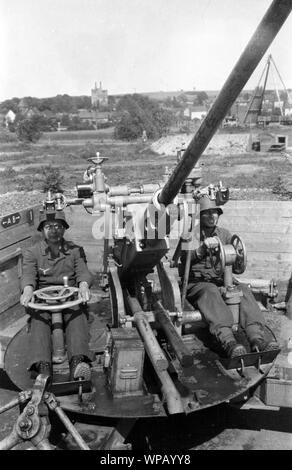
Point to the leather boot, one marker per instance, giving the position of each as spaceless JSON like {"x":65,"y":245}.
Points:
{"x":259,"y":344}
{"x":228,"y":342}
{"x":234,"y":349}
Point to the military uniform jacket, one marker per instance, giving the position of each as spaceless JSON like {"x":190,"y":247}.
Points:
{"x":201,"y":270}
{"x":40,"y":269}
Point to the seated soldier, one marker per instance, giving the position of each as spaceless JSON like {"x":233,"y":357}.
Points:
{"x":203,"y":290}
{"x":45,"y":264}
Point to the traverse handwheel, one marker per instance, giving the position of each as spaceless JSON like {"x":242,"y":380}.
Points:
{"x":240,"y":263}
{"x":217,"y":257}
{"x":55,"y":298}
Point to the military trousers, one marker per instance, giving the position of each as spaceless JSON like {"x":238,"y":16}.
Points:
{"x":207,"y":297}
{"x":76,"y":334}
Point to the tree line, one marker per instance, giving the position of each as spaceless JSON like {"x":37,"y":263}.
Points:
{"x":56,"y":104}
{"x":137,"y":114}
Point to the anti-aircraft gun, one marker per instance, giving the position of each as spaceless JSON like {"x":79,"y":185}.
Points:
{"x":150,"y":363}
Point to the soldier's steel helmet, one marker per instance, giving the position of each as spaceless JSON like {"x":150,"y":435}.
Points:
{"x":57,"y":215}
{"x":207,"y":203}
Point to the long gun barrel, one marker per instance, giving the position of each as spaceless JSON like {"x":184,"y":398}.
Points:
{"x":245,"y":66}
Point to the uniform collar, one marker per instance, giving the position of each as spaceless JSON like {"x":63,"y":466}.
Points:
{"x":45,"y":250}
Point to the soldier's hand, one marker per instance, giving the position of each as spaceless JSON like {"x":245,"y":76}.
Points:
{"x":208,"y":244}
{"x":84,"y":291}
{"x":211,"y":243}
{"x":26,"y":295}
{"x":201,"y":251}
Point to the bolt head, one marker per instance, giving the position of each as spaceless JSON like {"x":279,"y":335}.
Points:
{"x":25,"y":424}
{"x":30,"y":410}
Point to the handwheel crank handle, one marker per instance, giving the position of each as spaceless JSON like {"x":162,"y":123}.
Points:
{"x":72,"y":430}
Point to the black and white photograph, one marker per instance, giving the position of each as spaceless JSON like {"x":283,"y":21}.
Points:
{"x":146,"y":228}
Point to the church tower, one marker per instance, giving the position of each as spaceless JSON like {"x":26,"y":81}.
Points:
{"x":99,"y":97}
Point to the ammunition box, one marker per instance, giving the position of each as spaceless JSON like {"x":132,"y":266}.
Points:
{"x":125,"y":374}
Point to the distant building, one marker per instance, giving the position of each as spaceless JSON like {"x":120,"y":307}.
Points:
{"x":195,"y":112}
{"x":230,"y":121}
{"x":99,"y":97}
{"x":26,"y":110}
{"x":94,"y":117}
{"x":23,"y":105}
{"x":9,"y":118}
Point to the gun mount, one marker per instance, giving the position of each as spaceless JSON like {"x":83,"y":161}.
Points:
{"x":148,"y":352}
{"x":152,"y":218}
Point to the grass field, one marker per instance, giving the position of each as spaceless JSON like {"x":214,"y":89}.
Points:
{"x":254,"y":175}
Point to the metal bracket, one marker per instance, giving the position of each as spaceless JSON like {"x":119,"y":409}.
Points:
{"x":33,"y":423}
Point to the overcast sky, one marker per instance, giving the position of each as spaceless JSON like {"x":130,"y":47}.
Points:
{"x":51,"y":47}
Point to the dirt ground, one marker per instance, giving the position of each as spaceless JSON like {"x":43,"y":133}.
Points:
{"x":228,"y":158}
{"x":221,"y":144}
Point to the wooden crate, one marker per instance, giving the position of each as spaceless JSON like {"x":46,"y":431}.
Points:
{"x":276,"y":392}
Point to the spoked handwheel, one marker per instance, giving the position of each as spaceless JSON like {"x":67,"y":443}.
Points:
{"x":55,"y":298}
{"x":218,"y":257}
{"x":240,"y":263}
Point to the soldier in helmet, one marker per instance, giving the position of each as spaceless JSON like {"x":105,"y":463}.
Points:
{"x":45,"y":264}
{"x":204,"y":285}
